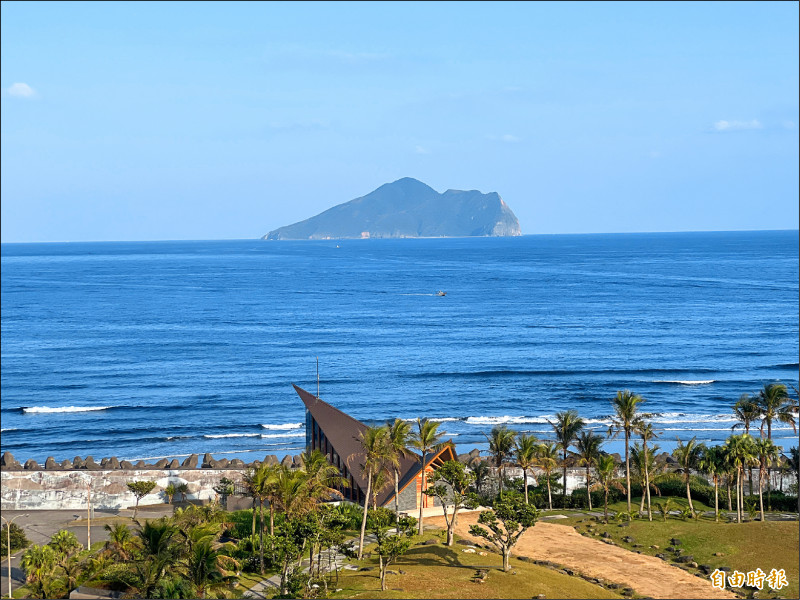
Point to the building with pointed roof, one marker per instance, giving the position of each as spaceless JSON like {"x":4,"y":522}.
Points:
{"x":338,"y":436}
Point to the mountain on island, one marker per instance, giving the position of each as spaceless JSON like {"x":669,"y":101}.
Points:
{"x":408,"y":208}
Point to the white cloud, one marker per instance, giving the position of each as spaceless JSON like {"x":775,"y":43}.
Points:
{"x":21,"y":90}
{"x":421,"y":150}
{"x":737,"y":125}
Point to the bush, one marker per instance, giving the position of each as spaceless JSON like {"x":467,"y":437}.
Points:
{"x":18,"y":539}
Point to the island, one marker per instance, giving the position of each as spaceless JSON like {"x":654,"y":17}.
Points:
{"x":408,"y":208}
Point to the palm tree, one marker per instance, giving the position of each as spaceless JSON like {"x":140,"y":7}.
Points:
{"x":746,"y":411}
{"x":740,"y":450}
{"x":713,"y":464}
{"x":170,"y":491}
{"x":605,"y":469}
{"x":588,"y":445}
{"x":424,"y":440}
{"x":625,"y":420}
{"x":183,"y":490}
{"x":773,"y":401}
{"x":688,"y":456}
{"x":323,"y":479}
{"x":766,"y":452}
{"x":644,"y":464}
{"x":398,"y":438}
{"x":547,"y":459}
{"x":120,"y":541}
{"x":38,"y":563}
{"x":373,"y":442}
{"x":567,"y":427}
{"x":647,"y":433}
{"x":526,"y":457}
{"x":204,"y":567}
{"x":260,"y":482}
{"x":501,"y":445}
{"x":481,"y":472}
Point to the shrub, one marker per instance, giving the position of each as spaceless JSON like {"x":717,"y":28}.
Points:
{"x":18,"y":539}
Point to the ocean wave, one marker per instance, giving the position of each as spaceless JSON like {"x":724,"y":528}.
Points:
{"x":62,"y":409}
{"x":179,"y":437}
{"x":8,"y":429}
{"x":232,"y":435}
{"x":506,"y":419}
{"x":436,"y":419}
{"x":280,"y":427}
{"x":272,"y":436}
{"x":686,"y":381}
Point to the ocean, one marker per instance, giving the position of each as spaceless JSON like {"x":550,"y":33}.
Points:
{"x":143,"y":350}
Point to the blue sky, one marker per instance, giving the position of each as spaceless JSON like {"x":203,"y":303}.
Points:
{"x":128,"y":121}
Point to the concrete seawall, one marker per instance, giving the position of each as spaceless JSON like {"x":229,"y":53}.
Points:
{"x":68,"y":490}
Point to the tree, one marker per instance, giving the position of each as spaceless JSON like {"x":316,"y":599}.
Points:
{"x":18,"y":539}
{"x":646,"y":432}
{"x":643,"y":463}
{"x":740,"y":450}
{"x":588,"y":446}
{"x":480,"y":470}
{"x":501,"y":445}
{"x":625,"y":420}
{"x":389,"y":546}
{"x":547,"y":459}
{"x":605,"y":469}
{"x":525,"y":452}
{"x":451,"y":483}
{"x":688,"y":456}
{"x":170,"y":491}
{"x":713,"y":463}
{"x":397,"y":439}
{"x":775,"y":404}
{"x":261,"y":483}
{"x":766,"y":452}
{"x":223,"y":489}
{"x":120,"y":541}
{"x":324,"y":481}
{"x":183,"y":490}
{"x":140,"y":489}
{"x":373,"y":442}
{"x":205,"y":568}
{"x":509,"y":518}
{"x":38,"y":563}
{"x":746,"y":411}
{"x":425,"y":440}
{"x":566,"y":428}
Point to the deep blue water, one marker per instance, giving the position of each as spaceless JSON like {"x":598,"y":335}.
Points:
{"x":193,"y":346}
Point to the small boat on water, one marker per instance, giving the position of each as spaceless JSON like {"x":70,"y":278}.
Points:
{"x":441,"y":293}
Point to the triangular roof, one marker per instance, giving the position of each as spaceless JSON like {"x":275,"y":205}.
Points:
{"x":343,"y":433}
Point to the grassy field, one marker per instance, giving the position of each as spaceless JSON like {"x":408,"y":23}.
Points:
{"x":743,"y":547}
{"x":442,"y":572}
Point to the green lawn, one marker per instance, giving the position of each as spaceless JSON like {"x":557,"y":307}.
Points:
{"x":676,"y":503}
{"x":743,"y":546}
{"x":442,"y":572}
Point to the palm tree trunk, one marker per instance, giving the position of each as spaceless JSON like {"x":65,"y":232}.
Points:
{"x":253,"y":532}
{"x":641,"y":504}
{"x":271,"y":518}
{"x":565,"y":478}
{"x":605,"y":506}
{"x":688,"y":491}
{"x":397,"y":496}
{"x":500,"y":475}
{"x":761,"y":494}
{"x":628,"y":472}
{"x":364,"y":518}
{"x":421,"y":495}
{"x":525,"y":480}
{"x":716,"y":499}
{"x":588,"y":492}
{"x":647,"y":482}
{"x":261,"y":535}
{"x":728,"y":485}
{"x":549,"y":495}
{"x":738,"y":499}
